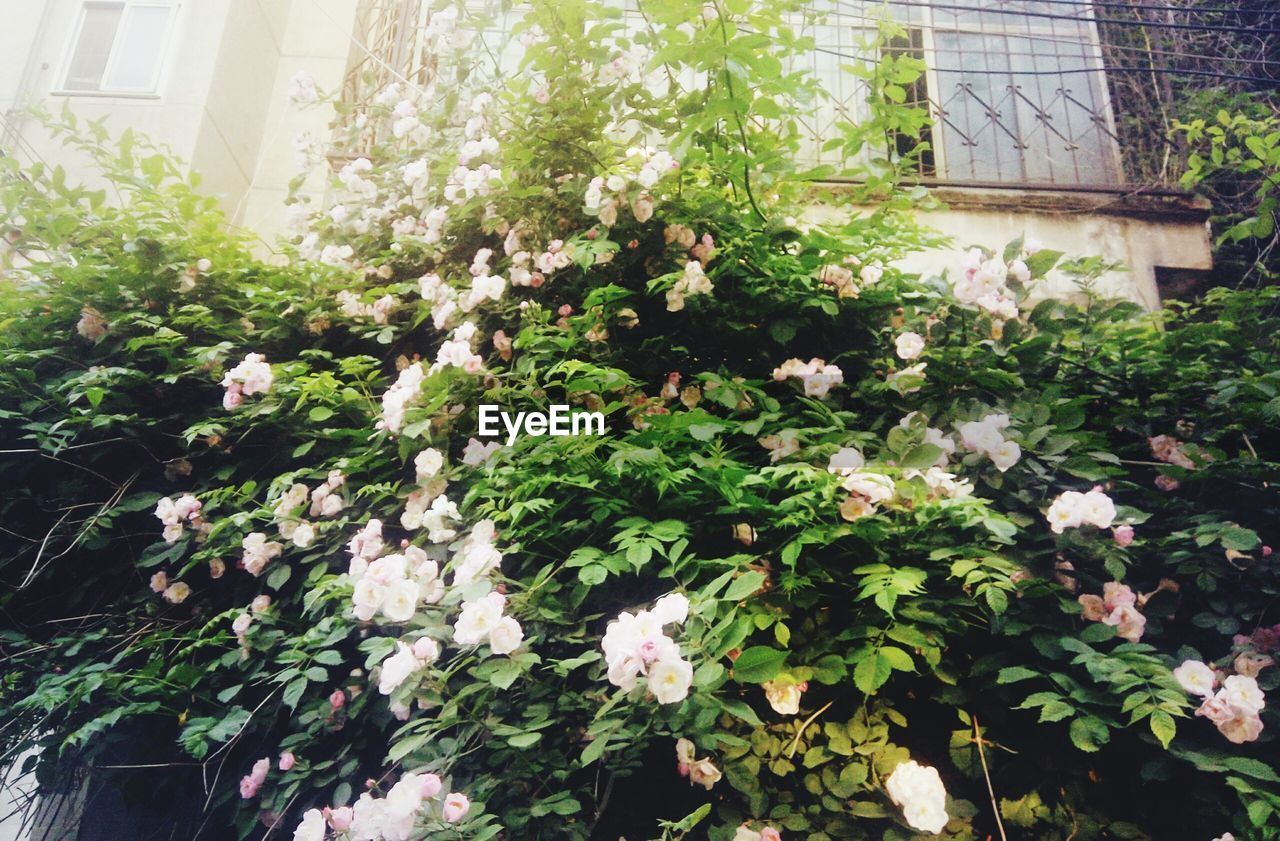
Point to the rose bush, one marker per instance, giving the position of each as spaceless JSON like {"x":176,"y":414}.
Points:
{"x":982,"y":563}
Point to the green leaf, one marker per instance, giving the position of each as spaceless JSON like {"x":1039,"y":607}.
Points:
{"x":758,"y":664}
{"x":830,"y":669}
{"x":524,"y":740}
{"x":320,"y":413}
{"x":871,"y":673}
{"x":921,"y":456}
{"x":1239,"y":539}
{"x":1013,"y":674}
{"x":1163,"y":726}
{"x":744,"y":585}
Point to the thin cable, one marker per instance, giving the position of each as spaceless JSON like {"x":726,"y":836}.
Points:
{"x":1145,"y":6}
{"x":1068,"y":71}
{"x":1051,"y":16}
{"x":1081,"y":41}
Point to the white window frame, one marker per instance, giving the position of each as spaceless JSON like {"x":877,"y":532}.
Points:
{"x":149,"y":91}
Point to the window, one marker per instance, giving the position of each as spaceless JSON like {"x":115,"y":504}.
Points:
{"x":1016,"y":89}
{"x":118,"y":47}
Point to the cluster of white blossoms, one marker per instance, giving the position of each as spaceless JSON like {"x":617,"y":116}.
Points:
{"x":302,"y":88}
{"x":1073,"y":509}
{"x":866,"y":489}
{"x":407,"y":659}
{"x":484,"y":286}
{"x":918,"y":791}
{"x":258,"y":552}
{"x":817,"y":377}
{"x":841,"y":277}
{"x":175,"y":592}
{"x":456,"y":352}
{"x":482,"y":621}
{"x":177,"y":514}
{"x":625,"y":66}
{"x":326,"y":501}
{"x":635,"y":644}
{"x":402,"y":394}
{"x":986,"y":436}
{"x":251,"y":376}
{"x":352,"y":176}
{"x":983,"y":283}
{"x":606,"y":195}
{"x":350,"y":305}
{"x":1235,"y":708}
{"x":394,"y":585}
{"x":390,"y":818}
{"x":1117,"y":607}
{"x":441,"y":297}
{"x":692,"y":282}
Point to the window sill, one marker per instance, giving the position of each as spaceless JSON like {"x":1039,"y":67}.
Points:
{"x":105,"y":94}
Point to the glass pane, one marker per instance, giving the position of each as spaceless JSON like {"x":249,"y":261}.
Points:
{"x":138,"y":53}
{"x":93,"y":48}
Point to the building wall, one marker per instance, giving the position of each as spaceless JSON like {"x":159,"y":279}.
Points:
{"x":223,"y":105}
{"x":1140,"y":232}
{"x":222,"y":100}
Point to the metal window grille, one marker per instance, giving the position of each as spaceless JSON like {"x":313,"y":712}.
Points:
{"x":1015,"y":98}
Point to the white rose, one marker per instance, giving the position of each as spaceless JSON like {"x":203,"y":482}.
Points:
{"x":671,"y":608}
{"x":312,"y":827}
{"x":785,"y":700}
{"x":909,"y":345}
{"x":428,"y":464}
{"x":401,"y":600}
{"x":303,"y":535}
{"x":669,"y":679}
{"x":1005,"y":455}
{"x":505,"y":636}
{"x":918,"y":791}
{"x":397,"y":668}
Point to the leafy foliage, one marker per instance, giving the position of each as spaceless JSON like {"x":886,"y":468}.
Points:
{"x":936,"y":624}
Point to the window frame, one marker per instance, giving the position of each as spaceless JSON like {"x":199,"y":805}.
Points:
{"x":153,"y":89}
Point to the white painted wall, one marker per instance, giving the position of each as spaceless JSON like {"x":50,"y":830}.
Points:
{"x":221,"y":103}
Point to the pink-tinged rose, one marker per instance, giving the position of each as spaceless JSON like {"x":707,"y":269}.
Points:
{"x":287,"y":760}
{"x":337,"y":699}
{"x":1092,"y":608}
{"x":1167,"y":483}
{"x":1250,"y":664}
{"x":1128,"y":622}
{"x":1115,"y":595}
{"x":770,"y":834}
{"x":431,"y":785}
{"x":159,"y":582}
{"x":339,"y":819}
{"x":1266,"y":551}
{"x":456,"y":806}
{"x":1241,"y":727}
{"x":1123,"y":535}
{"x":1217,"y":709}
{"x":1196,"y":678}
{"x":248,"y":787}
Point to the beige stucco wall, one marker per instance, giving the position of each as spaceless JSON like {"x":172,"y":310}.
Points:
{"x":1132,"y":231}
{"x":1136,"y":231}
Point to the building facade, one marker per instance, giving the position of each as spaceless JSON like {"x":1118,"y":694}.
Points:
{"x":1022,"y":137}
